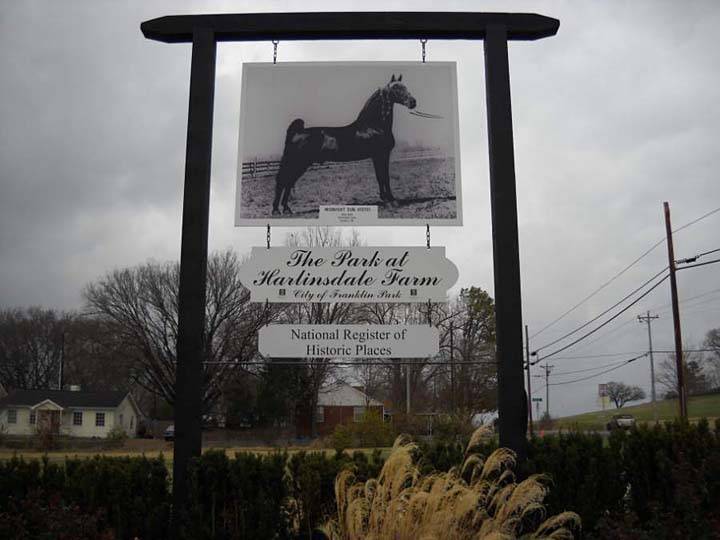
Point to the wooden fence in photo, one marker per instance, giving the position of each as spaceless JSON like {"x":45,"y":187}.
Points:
{"x":261,"y":168}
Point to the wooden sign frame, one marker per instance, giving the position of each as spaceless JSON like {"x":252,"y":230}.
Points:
{"x":204,"y":32}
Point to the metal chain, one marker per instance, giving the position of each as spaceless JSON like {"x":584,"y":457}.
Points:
{"x":423,"y":42}
{"x":427,"y":235}
{"x":428,"y":313}
{"x":275,"y":44}
{"x":268,"y":236}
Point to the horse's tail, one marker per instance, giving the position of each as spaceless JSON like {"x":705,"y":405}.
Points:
{"x":295,"y":126}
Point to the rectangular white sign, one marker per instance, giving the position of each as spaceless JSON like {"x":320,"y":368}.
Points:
{"x":348,"y":274}
{"x":348,"y":341}
{"x":379,"y":136}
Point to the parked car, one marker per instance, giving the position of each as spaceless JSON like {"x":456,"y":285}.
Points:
{"x":170,"y":433}
{"x":621,"y":421}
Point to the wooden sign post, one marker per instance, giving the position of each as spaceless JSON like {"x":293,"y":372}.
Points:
{"x":204,"y":31}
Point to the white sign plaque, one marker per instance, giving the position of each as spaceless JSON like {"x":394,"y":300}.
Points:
{"x":348,"y":274}
{"x":348,"y":341}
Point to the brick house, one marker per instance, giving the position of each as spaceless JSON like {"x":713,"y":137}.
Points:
{"x":338,"y":403}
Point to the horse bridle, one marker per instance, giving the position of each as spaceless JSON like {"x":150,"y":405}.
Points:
{"x":422,"y":114}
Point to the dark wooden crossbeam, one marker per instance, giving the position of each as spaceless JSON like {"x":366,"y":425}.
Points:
{"x":344,"y":25}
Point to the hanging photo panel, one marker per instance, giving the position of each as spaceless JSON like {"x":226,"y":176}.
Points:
{"x":354,"y":143}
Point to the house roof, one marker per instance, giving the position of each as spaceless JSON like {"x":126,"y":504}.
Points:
{"x":344,"y":395}
{"x":64,"y":398}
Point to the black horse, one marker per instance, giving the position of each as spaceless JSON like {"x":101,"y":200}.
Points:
{"x":369,"y":136}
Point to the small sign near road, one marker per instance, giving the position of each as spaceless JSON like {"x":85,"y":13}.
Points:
{"x":537,"y":399}
{"x":348,"y":341}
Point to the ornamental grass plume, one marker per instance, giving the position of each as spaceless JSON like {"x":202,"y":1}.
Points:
{"x":478,"y":500}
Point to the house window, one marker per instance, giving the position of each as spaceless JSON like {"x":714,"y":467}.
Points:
{"x":358,"y":413}
{"x":320,"y":415}
{"x":33,"y":417}
{"x":77,"y":418}
{"x":100,"y":419}
{"x":121,"y":419}
{"x":132,"y":422}
{"x":12,"y":416}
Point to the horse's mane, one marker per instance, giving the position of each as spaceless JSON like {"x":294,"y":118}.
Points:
{"x":371,"y":102}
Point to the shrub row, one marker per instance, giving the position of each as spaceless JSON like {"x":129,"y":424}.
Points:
{"x":248,"y":496}
{"x":654,"y":483}
{"x":661,"y":482}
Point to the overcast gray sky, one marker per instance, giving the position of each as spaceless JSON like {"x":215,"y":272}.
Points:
{"x":616,"y":114}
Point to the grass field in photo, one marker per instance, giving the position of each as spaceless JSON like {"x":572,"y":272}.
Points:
{"x":423,"y":185}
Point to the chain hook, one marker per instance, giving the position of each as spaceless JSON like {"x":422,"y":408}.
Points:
{"x":268,"y":236}
{"x":423,"y":42}
{"x":427,"y":235}
{"x":275,"y":44}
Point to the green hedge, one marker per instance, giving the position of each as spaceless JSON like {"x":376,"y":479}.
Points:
{"x":654,"y":483}
{"x":246,"y":496}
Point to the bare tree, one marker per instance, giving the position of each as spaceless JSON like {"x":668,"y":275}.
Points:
{"x":712,"y":360}
{"x":392,"y":372}
{"x":94,"y":358}
{"x":313,"y":373}
{"x":621,"y":393}
{"x":695,"y":380}
{"x":31,"y":347}
{"x":467,"y":342}
{"x":139,"y":307}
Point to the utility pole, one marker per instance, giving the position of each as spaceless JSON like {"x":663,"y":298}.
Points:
{"x":548,"y":368}
{"x":61,"y":375}
{"x":682,"y":396}
{"x":452,"y":366}
{"x":648,"y":319}
{"x":529,"y":391}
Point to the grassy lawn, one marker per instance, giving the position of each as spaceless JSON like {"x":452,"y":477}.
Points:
{"x":698,"y":407}
{"x":154,"y":448}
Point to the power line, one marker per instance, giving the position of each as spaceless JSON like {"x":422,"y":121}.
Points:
{"x":699,"y":264}
{"x":608,"y":282}
{"x":581,"y":356}
{"x":696,"y":257}
{"x":578,"y":340}
{"x":590,"y":369}
{"x":663,"y":308}
{"x":603,"y":313}
{"x":694,"y":221}
{"x":633,"y":263}
{"x":598,"y":374}
{"x":706,"y":293}
{"x":387,"y":363}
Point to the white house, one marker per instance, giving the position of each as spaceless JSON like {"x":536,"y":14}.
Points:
{"x":72,"y":413}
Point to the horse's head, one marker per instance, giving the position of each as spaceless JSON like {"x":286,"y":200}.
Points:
{"x":399,"y":93}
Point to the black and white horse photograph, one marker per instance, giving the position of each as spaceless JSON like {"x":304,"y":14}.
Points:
{"x":317,"y":138}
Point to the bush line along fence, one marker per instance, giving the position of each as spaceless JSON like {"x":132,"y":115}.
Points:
{"x":654,"y":483}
